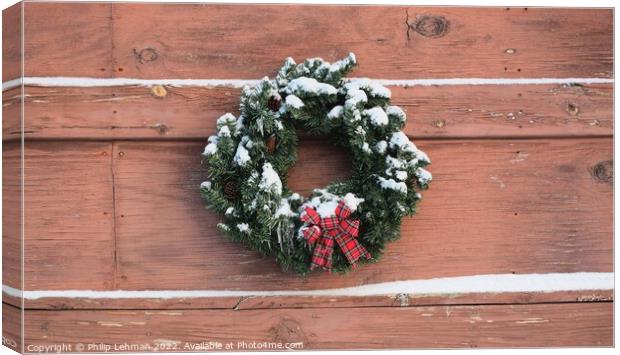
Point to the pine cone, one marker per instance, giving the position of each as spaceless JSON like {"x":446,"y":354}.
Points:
{"x":271,"y":143}
{"x":231,"y":190}
{"x":274,"y":103}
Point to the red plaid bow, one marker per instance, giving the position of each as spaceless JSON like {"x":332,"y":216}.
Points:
{"x":323,"y":232}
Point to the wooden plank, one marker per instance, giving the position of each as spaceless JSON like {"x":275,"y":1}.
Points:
{"x":548,"y":325}
{"x":12,"y":42}
{"x":68,"y":39}
{"x":277,"y":302}
{"x":11,"y":211}
{"x":405,"y":300}
{"x":12,"y":169}
{"x":496,"y":206}
{"x":248,"y":41}
{"x":438,"y":111}
{"x":12,"y":327}
{"x":14,"y":301}
{"x":12,"y":115}
{"x":69,"y":240}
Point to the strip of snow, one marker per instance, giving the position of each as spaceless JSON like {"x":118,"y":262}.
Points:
{"x":497,"y":283}
{"x":54,"y":81}
{"x":9,"y":84}
{"x":103,"y":82}
{"x":498,"y":81}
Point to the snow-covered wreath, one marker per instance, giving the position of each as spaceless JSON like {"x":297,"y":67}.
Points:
{"x":346,"y":222}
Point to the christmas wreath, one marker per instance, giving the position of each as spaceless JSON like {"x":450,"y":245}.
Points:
{"x":348,"y":221}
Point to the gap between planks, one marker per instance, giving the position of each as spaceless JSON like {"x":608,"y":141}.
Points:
{"x":397,"y":301}
{"x":114,"y":222}
{"x":239,"y":83}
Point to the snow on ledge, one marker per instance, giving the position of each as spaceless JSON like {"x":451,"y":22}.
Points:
{"x":497,"y":283}
{"x":64,"y":81}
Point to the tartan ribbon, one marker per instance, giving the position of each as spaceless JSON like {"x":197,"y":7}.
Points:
{"x":325,"y":232}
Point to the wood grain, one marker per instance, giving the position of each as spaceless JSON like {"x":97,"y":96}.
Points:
{"x":11,"y":209}
{"x":202,"y":41}
{"x":12,"y":42}
{"x":12,"y":327}
{"x":496,"y":206}
{"x":390,"y":41}
{"x":548,"y":325}
{"x":68,"y":199}
{"x":408,"y":300}
{"x":288,"y":302}
{"x":77,"y":42}
{"x":133,"y":112}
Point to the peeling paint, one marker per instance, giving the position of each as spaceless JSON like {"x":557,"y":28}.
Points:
{"x":109,"y":324}
{"x":532,"y":321}
{"x":498,"y":180}
{"x":521,"y":156}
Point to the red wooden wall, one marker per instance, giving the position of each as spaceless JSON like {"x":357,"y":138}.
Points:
{"x":523,"y":173}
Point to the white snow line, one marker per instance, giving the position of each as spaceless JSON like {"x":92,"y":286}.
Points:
{"x":105,"y":82}
{"x":238,"y":83}
{"x":483,"y":81}
{"x":463,"y":284}
{"x":11,"y":84}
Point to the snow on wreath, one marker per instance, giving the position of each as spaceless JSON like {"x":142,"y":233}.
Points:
{"x":348,"y":221}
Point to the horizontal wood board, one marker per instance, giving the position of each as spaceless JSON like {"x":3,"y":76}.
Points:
{"x":136,"y":220}
{"x":548,"y":325}
{"x":392,"y":42}
{"x":250,"y":301}
{"x":11,"y":42}
{"x":135,"y":112}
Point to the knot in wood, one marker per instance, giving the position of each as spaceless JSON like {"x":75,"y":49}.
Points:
{"x":288,"y":330}
{"x":159,"y":91}
{"x":603,"y":171}
{"x":572,"y":109}
{"x":439,"y":123}
{"x":430,"y":26}
{"x":146,"y":55}
{"x":161,"y":128}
